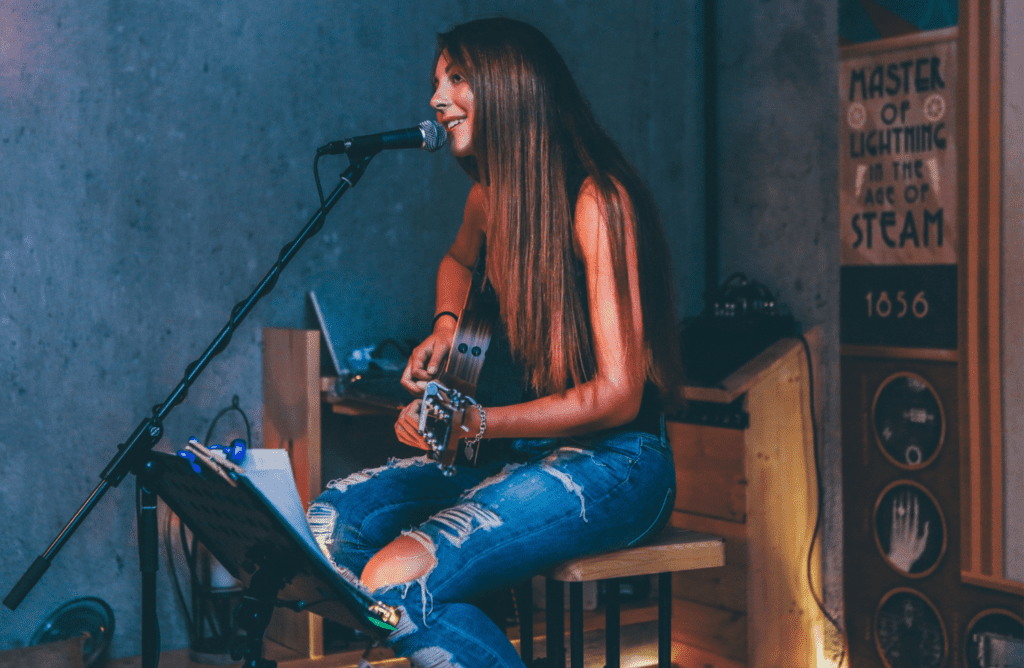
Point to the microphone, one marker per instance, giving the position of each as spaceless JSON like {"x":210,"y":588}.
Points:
{"x":428,"y":135}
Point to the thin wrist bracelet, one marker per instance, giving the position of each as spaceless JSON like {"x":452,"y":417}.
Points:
{"x":473,"y":442}
{"x":444,"y":313}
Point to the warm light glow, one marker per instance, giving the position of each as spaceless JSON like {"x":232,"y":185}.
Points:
{"x":825,"y":648}
{"x":642,"y":657}
{"x":685,"y":656}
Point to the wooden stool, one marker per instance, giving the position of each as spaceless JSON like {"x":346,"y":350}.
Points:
{"x":671,"y":550}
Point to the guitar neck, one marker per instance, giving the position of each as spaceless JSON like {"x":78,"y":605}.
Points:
{"x":471,"y":340}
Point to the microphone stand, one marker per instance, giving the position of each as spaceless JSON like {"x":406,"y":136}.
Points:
{"x":133,"y":453}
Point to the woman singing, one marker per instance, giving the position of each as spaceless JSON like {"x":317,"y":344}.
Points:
{"x":574,"y":459}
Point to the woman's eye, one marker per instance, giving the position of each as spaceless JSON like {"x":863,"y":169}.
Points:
{"x":457,"y":78}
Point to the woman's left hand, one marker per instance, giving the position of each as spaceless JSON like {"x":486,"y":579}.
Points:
{"x":407,"y":428}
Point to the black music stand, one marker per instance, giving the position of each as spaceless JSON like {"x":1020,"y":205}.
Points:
{"x":251,"y":538}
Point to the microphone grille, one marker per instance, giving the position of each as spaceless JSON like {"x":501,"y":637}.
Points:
{"x":434,"y":135}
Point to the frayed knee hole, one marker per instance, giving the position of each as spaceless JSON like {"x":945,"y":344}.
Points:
{"x":402,"y":560}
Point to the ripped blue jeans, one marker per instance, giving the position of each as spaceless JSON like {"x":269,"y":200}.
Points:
{"x":492,"y":527}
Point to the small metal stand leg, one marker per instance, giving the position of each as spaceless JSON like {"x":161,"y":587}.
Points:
{"x":665,"y":620}
{"x":524,"y":610}
{"x":149,"y":564}
{"x":554,"y":612}
{"x":611,"y":623}
{"x":576,"y":624}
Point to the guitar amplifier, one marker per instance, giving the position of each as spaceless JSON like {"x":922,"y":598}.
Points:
{"x":741,"y":320}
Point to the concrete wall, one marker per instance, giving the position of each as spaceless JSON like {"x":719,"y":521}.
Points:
{"x":778,"y":150}
{"x":154,"y":157}
{"x":1013,"y":287}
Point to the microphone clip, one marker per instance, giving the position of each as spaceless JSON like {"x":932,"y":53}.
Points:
{"x":335,"y":147}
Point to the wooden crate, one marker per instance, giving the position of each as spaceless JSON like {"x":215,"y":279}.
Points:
{"x":756,"y":488}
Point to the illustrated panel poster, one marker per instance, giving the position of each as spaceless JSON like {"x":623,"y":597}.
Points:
{"x":898,"y":197}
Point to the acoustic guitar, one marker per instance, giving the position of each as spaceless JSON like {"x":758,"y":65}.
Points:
{"x":447,"y":397}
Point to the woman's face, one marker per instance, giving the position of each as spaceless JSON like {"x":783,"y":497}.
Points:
{"x":453,"y":100}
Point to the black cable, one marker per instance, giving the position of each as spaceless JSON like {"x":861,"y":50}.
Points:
{"x":233,"y":407}
{"x":316,"y":177}
{"x":192,"y":559}
{"x":821,"y":502}
{"x":169,"y":552}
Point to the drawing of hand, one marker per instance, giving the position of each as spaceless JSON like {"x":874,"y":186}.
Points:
{"x":905,"y":546}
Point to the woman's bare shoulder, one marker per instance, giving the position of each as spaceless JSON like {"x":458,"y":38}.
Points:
{"x":591,"y":207}
{"x":477,"y":198}
{"x":475,"y":214}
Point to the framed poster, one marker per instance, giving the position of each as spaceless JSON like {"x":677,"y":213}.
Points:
{"x":898,"y":197}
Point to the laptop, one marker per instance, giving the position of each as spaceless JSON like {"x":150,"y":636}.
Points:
{"x":377,"y":386}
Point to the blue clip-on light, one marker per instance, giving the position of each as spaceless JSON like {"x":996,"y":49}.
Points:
{"x":185,"y":454}
{"x":236,"y":451}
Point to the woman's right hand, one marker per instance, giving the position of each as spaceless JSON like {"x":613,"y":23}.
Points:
{"x":407,"y":427}
{"x":427,"y":358}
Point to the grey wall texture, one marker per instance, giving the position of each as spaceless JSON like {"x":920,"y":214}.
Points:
{"x":778,"y":185}
{"x":1013,"y":287}
{"x":155,"y":156}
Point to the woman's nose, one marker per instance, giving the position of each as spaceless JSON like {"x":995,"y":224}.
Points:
{"x":439,"y":101}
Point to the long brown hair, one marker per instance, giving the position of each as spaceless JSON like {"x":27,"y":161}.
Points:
{"x":531,"y":126}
